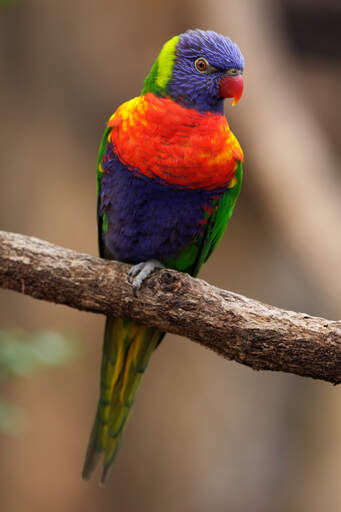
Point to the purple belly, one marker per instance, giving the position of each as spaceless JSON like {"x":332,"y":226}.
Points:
{"x":148,"y":219}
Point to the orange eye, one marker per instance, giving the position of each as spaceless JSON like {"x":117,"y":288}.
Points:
{"x":201,"y":65}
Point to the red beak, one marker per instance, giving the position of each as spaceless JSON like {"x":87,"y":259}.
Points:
{"x":231,"y":87}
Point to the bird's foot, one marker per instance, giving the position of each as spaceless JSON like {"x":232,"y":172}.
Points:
{"x":139,"y":273}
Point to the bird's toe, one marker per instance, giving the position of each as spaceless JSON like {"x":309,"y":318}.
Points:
{"x":140,"y":272}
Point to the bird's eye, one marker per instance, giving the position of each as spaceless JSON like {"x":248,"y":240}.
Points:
{"x":232,"y":71}
{"x":201,"y":65}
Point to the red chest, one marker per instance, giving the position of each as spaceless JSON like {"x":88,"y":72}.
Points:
{"x":179,"y":145}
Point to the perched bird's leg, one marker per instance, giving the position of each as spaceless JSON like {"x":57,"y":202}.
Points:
{"x":138,"y":273}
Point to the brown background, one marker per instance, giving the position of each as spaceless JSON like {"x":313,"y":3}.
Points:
{"x":205,"y":434}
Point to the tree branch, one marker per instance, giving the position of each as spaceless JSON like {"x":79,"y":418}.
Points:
{"x":236,"y":327}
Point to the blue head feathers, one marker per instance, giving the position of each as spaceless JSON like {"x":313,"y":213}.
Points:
{"x":197,"y":89}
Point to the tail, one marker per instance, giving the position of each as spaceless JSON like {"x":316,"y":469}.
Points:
{"x":127,"y":349}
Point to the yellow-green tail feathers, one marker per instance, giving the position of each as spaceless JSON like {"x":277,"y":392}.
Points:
{"x":127,"y":349}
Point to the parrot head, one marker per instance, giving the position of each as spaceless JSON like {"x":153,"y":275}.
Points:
{"x":198,"y":69}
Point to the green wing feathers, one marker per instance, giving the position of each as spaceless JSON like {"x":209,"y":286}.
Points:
{"x":127,"y":349}
{"x":195,"y":254}
{"x":222,"y":214}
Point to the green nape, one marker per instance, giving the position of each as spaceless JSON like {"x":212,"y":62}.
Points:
{"x":161,"y":72}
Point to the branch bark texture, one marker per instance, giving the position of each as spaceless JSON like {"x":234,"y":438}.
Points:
{"x":236,"y":327}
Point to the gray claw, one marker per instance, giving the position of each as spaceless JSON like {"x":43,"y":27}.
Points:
{"x":135,"y":270}
{"x":141,"y":271}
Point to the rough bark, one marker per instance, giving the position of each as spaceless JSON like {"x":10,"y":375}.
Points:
{"x":236,"y":327}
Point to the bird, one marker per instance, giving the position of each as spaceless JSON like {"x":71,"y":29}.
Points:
{"x":169,"y":173}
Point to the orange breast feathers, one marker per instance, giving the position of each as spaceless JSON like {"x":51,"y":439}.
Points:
{"x":181,"y":146}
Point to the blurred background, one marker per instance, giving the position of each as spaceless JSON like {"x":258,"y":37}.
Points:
{"x":205,"y":433}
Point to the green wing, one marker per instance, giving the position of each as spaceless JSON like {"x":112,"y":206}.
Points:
{"x":219,"y":219}
{"x":193,"y":256}
{"x":101,"y":219}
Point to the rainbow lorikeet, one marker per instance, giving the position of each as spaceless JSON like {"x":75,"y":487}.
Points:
{"x":168,"y":176}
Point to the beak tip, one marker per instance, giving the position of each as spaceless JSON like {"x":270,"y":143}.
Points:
{"x":236,"y":99}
